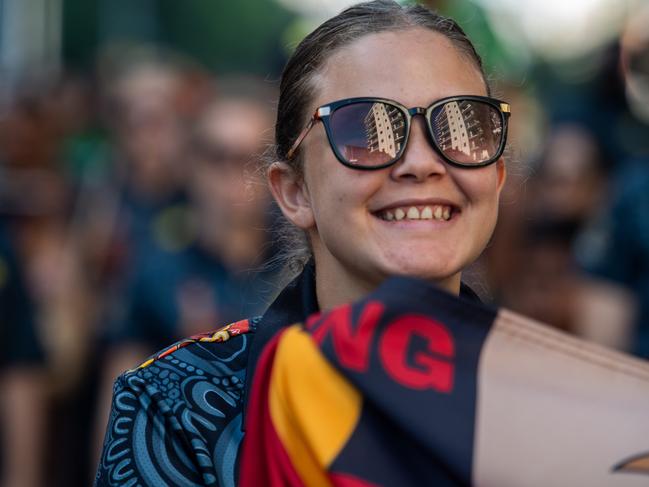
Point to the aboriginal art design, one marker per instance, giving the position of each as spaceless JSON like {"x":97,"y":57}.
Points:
{"x":176,"y":419}
{"x":220,"y":335}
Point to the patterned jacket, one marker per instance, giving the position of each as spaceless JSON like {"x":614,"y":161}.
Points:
{"x":177,"y":418}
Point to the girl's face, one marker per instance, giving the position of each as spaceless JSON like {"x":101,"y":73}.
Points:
{"x":343,"y":209}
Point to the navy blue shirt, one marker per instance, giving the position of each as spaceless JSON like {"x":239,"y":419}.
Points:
{"x":21,"y":344}
{"x":174,"y":294}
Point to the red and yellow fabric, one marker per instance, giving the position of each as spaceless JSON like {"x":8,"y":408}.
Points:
{"x":412,"y":386}
{"x":310,"y":412}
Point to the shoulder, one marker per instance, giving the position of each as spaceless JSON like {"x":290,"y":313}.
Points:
{"x":215,"y":345}
{"x":212,"y":360}
{"x":184,"y":402}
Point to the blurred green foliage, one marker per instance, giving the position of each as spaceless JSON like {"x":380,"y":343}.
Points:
{"x":224,"y":36}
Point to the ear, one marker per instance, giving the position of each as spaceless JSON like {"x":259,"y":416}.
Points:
{"x":501,"y":168}
{"x":291,"y":194}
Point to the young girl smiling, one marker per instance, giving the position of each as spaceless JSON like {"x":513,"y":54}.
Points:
{"x":388,"y":158}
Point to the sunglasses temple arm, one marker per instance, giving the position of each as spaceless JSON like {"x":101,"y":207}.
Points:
{"x":298,"y":141}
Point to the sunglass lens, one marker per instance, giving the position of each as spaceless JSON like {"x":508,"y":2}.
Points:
{"x":467,"y":131}
{"x":368,"y":134}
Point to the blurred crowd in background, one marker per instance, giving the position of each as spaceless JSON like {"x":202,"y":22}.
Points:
{"x":133,"y":208}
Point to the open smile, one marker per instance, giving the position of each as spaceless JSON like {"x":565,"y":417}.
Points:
{"x":426,"y":212}
{"x":404,"y":210}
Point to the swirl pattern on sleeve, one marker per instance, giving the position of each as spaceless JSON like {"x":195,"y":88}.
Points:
{"x":176,"y":419}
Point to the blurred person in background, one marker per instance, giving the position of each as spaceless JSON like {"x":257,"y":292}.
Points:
{"x":532,"y":267}
{"x":83,"y":208}
{"x":215,"y":270}
{"x":85,"y":204}
{"x":570,"y":180}
{"x":23,"y":388}
{"x":615,"y":248}
{"x":129,"y":180}
{"x":32,"y":209}
{"x":147,"y":132}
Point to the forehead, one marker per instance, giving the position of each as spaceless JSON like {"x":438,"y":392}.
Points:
{"x":414,"y":66}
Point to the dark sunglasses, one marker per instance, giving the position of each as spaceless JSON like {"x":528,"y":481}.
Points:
{"x":372,"y":133}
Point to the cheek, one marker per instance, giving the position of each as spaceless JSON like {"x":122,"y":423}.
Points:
{"x":336,"y":192}
{"x":481,"y":189}
{"x":480,"y":186}
{"x":333,"y":198}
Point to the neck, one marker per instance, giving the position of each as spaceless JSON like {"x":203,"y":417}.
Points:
{"x":337,"y":284}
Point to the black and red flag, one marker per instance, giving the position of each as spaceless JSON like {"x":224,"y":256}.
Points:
{"x":413,"y":386}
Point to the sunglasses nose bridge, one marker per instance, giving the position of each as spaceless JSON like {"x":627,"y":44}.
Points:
{"x":413,"y":164}
{"x":416,"y":111}
{"x":420,"y":111}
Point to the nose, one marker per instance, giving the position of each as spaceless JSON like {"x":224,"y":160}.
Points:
{"x":419,"y":161}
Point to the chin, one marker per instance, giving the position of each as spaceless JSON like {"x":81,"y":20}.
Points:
{"x":435,"y":271}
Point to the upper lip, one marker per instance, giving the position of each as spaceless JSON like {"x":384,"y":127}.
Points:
{"x":417,"y":202}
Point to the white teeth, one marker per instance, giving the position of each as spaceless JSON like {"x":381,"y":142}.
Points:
{"x":447,"y":213}
{"x":438,"y":213}
{"x":389,"y":215}
{"x":427,"y":213}
{"x":399,"y":214}
{"x":413,"y":213}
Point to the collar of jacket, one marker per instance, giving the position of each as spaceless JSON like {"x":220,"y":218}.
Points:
{"x":293,"y":305}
